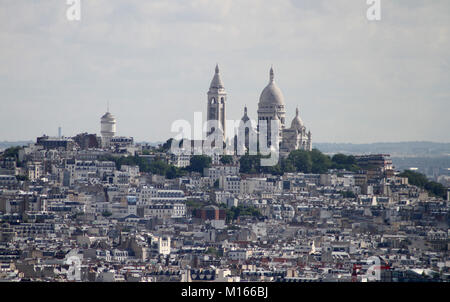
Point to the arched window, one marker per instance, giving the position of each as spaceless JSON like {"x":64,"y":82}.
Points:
{"x":213,"y":100}
{"x":222,"y":100}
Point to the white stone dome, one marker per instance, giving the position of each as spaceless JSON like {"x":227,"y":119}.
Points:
{"x":271,"y":95}
{"x":297,"y":122}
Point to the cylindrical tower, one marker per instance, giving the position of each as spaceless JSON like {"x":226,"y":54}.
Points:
{"x":108,"y":128}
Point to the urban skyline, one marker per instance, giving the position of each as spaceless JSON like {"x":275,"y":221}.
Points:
{"x":212,"y":144}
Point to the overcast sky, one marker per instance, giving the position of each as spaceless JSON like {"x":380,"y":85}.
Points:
{"x":353,"y":80}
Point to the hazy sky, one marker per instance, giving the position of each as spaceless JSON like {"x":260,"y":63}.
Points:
{"x":353,"y":80}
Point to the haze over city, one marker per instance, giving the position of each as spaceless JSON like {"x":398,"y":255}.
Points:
{"x":353,"y":80}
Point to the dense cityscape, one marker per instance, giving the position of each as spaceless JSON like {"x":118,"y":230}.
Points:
{"x":224,"y":149}
{"x":103,"y":208}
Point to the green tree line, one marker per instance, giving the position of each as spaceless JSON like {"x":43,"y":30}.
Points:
{"x":159,"y":166}
{"x":300,"y":161}
{"x":421,"y":181}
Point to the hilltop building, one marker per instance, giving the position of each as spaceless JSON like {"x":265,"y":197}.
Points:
{"x":271,"y":107}
{"x":108,"y":128}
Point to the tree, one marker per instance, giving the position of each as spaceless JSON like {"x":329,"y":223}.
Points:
{"x":342,"y":161}
{"x":158,"y":167}
{"x":320,"y":162}
{"x":212,"y":251}
{"x":421,"y":181}
{"x":301,"y":160}
{"x":12,"y":152}
{"x":436,"y":189}
{"x":287,"y":166}
{"x":199,"y":162}
{"x":348,"y":194}
{"x":226,"y":159}
{"x":250,"y":164}
{"x":216,"y":184}
{"x":173,"y":172}
{"x":415,"y":178}
{"x":167,"y":145}
{"x":235,"y":212}
{"x":22,"y":177}
{"x":274,"y":170}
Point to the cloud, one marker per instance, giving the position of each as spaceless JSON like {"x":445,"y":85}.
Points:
{"x":354,"y":80}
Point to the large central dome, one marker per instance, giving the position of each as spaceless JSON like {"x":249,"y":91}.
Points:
{"x":271,"y":95}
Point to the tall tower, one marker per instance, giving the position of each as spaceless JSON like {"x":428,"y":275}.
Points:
{"x":217,"y":99}
{"x":108,"y":128}
{"x":271,"y":106}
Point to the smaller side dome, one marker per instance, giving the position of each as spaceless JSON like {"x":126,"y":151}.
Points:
{"x":297,"y":122}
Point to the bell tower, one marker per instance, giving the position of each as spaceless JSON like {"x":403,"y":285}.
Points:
{"x":217,"y":99}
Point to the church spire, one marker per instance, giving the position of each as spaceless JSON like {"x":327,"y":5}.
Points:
{"x":296,"y":112}
{"x":272,"y":76}
{"x":216,"y":82}
{"x":245,"y":118}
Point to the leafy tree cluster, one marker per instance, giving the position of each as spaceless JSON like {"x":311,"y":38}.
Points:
{"x":106,"y":214}
{"x":198,"y":163}
{"x":12,"y":152}
{"x":212,"y":251}
{"x":226,"y":159}
{"x":160,"y":167}
{"x":157,"y":166}
{"x":348,"y":194}
{"x":345,"y":162}
{"x":235,"y":212}
{"x":309,"y":161}
{"x":166,"y":146}
{"x":194,"y":204}
{"x":300,"y":161}
{"x":251,"y":164}
{"x":421,"y":181}
{"x":22,"y":178}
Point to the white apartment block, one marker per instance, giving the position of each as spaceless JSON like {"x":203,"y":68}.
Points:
{"x":150,"y":195}
{"x":165,"y":211}
{"x":180,"y":160}
{"x":239,"y":255}
{"x":230,"y":183}
{"x":254,"y":185}
{"x":215,"y":172}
